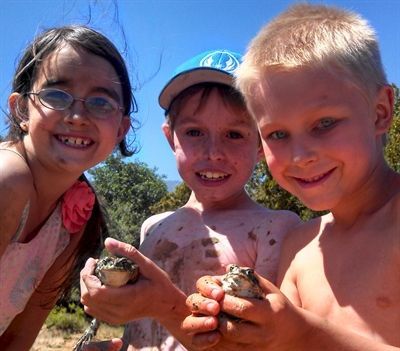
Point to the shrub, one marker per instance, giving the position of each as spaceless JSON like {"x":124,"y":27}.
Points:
{"x":71,"y":319}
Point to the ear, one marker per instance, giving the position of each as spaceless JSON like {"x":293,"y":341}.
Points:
{"x":123,"y":128}
{"x":18,"y":106}
{"x":169,"y":134}
{"x":384,"y":109}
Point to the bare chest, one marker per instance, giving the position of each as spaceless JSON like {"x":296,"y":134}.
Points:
{"x":356,"y":286}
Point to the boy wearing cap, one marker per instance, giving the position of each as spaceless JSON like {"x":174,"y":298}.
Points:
{"x":216,"y":146}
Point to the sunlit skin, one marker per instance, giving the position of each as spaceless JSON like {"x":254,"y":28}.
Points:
{"x":322,"y":139}
{"x":57,"y":148}
{"x":216,"y":148}
{"x":324,"y":146}
{"x":82,"y":75}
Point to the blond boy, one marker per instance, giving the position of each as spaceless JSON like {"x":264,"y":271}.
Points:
{"x":314,"y":82}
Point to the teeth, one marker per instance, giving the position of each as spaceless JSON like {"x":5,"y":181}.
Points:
{"x":212,"y":175}
{"x":74,"y":141}
{"x":313,"y":179}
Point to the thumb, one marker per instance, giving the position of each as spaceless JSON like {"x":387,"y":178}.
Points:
{"x":88,"y":280}
{"x":266,"y":285}
{"x":146,"y":266}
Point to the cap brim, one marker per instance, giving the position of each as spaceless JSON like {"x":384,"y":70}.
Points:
{"x":191,"y":77}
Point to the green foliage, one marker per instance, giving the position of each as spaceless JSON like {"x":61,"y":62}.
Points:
{"x":127,"y":190}
{"x":172,"y":200}
{"x":71,"y":319}
{"x":392,"y":149}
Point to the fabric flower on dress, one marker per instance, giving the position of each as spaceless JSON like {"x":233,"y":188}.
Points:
{"x":77,"y":206}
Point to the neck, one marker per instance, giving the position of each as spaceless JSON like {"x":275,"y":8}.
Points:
{"x":380,"y":188}
{"x":240,"y":201}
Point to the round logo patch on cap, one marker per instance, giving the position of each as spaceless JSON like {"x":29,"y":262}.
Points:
{"x":220,"y":60}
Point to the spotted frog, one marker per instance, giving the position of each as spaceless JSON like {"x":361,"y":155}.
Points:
{"x":112,"y":271}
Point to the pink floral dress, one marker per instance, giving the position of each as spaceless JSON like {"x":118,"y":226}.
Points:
{"x":23,"y":265}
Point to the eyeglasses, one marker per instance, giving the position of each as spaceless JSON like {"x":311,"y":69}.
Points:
{"x":99,"y":106}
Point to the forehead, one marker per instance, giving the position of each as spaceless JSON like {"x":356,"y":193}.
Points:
{"x":70,"y":65}
{"x":279,"y":92}
{"x":214,"y":109}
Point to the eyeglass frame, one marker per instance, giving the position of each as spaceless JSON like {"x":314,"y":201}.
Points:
{"x":117,"y":106}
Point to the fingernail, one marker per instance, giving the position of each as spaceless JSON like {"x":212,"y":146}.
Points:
{"x":209,"y":323}
{"x":210,"y":307}
{"x":216,"y":294}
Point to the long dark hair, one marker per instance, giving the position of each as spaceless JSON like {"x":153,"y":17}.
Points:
{"x":80,"y":37}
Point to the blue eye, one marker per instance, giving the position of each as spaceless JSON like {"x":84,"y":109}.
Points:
{"x":278,"y":135}
{"x":325,"y":123}
{"x":100,"y":104}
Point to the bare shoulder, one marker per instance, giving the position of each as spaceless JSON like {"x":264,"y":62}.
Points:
{"x":150,"y":223}
{"x":299,"y":239}
{"x":16,"y":187}
{"x":302,"y":234}
{"x":279,"y":220}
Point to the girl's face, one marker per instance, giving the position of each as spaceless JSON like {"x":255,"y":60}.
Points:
{"x":216,"y":148}
{"x":73,"y":139}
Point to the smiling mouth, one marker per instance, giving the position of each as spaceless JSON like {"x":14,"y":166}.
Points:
{"x":315,"y":179}
{"x":74,"y":141}
{"x":213,"y":175}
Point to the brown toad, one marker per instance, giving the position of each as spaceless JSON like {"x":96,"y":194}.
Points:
{"x":239,"y":282}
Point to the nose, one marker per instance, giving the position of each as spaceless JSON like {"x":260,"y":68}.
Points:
{"x":215,"y":150}
{"x":77,"y":113}
{"x":303,"y":152}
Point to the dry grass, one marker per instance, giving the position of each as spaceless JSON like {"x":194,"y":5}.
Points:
{"x":54,"y":339}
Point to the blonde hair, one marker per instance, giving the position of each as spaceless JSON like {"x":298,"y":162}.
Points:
{"x":314,"y":36}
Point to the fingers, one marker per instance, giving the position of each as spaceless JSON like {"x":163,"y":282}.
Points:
{"x":210,"y":286}
{"x":109,"y":345}
{"x":249,"y":309}
{"x":88,"y":282}
{"x":198,"y":304}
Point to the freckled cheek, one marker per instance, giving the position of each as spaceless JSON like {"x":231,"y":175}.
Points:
{"x":183,"y":159}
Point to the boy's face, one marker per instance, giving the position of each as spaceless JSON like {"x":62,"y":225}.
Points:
{"x":321,"y":134}
{"x":216,"y":147}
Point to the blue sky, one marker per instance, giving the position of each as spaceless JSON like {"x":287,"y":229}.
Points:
{"x":158,"y":35}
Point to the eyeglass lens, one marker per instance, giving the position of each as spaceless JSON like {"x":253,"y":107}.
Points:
{"x":61,"y":100}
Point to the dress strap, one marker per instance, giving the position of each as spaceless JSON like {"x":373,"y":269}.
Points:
{"x":14,"y":151}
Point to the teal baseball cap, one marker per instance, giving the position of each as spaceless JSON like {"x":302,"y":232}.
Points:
{"x":215,"y":66}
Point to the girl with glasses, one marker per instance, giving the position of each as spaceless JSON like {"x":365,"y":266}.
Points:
{"x":69,"y":109}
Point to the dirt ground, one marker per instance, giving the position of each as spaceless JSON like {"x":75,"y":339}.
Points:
{"x":54,"y":339}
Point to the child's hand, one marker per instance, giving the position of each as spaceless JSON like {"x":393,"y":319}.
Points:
{"x":109,"y":345}
{"x":263,"y":323}
{"x":131,"y":301}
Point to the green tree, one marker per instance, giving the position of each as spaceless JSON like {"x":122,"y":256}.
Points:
{"x":127,"y":190}
{"x":392,"y":149}
{"x":265,"y":190}
{"x":172,"y":200}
